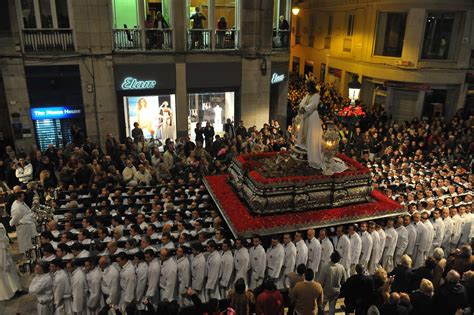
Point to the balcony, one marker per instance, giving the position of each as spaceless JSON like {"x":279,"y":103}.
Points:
{"x":159,"y":39}
{"x":127,"y":39}
{"x":227,"y":39}
{"x":199,"y":39}
{"x":47,"y":40}
{"x":281,"y":39}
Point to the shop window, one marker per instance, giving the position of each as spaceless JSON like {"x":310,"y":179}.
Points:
{"x":442,"y":33}
{"x":214,"y":108}
{"x":350,"y":24}
{"x":390,"y":33}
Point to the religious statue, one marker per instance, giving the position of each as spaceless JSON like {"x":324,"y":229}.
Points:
{"x":307,"y":125}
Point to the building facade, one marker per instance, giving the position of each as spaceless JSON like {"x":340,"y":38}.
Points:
{"x":99,"y":66}
{"x":414,"y":58}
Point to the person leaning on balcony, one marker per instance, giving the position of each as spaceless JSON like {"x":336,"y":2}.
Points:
{"x":221,"y":28}
{"x":197,"y":19}
{"x":283,"y":26}
{"x":160,"y":25}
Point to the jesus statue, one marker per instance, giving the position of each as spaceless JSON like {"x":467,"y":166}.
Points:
{"x":310,"y":134}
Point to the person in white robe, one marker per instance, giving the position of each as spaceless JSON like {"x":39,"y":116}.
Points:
{"x":448,"y":232}
{"x":227,"y":268}
{"x":257,"y":263}
{"x":241,"y":261}
{"x":42,"y":288}
{"x":422,"y":242}
{"x":62,"y":291}
{"x":343,"y":246}
{"x":382,"y":238}
{"x":301,"y":250}
{"x":275,"y":257}
{"x":25,"y":224}
{"x":214,"y":263}
{"x":314,"y":250}
{"x":184,"y":274}
{"x":168,"y":276}
{"x":464,"y":239}
{"x":152,"y":294}
{"x":356,"y":247}
{"x":376,"y":243}
{"x":128,"y":281}
{"x":110,"y":282}
{"x":391,"y":239}
{"x":402,"y":241}
{"x":288,"y":262}
{"x":9,"y":279}
{"x":141,"y":270}
{"x":429,"y":227}
{"x":309,"y":136}
{"x":198,"y":271}
{"x":78,"y":286}
{"x":94,"y":294}
{"x":326,"y":248}
{"x":412,"y":235}
{"x":438,"y":227}
{"x":457,"y":227}
{"x":367,"y":244}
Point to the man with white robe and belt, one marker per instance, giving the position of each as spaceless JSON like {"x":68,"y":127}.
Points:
{"x":198,"y":271}
{"x":301,"y":249}
{"x":141,"y":270}
{"x":356,"y":247}
{"x":62,"y":292}
{"x":78,"y":286}
{"x":22,"y":219}
{"x":373,"y":263}
{"x":464,"y":239}
{"x":343,"y":246}
{"x":257,"y":263}
{"x":93,"y":279}
{"x":402,"y":241}
{"x":42,"y":287}
{"x":152,"y":294}
{"x":422,"y":241}
{"x":448,"y":231}
{"x":391,"y":239}
{"x":425,"y":218}
{"x":438,"y":227}
{"x":457,"y":228}
{"x":288,"y":262}
{"x":382,"y":238}
{"x":214,"y":262}
{"x":110,"y":282}
{"x":314,"y":250}
{"x":227,"y":268}
{"x":367,"y":244}
{"x":326,"y":249}
{"x":184,"y":274}
{"x":128,"y":281}
{"x":241,"y":260}
{"x":168,"y":276}
{"x":275,"y":257}
{"x":412,"y":235}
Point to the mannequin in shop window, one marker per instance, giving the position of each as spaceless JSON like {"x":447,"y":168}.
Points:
{"x":145,"y":116}
{"x":166,"y":121}
{"x":218,"y":126}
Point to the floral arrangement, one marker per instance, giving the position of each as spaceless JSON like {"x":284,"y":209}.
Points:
{"x":351,"y":111}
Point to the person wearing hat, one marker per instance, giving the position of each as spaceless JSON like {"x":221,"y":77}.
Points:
{"x":22,"y":219}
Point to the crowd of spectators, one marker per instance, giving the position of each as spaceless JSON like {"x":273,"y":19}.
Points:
{"x":136,"y":230}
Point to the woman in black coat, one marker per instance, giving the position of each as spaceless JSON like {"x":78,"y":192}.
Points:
{"x":402,"y":275}
{"x":422,"y":299}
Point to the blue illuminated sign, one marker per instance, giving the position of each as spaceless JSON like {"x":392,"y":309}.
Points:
{"x":62,"y":112}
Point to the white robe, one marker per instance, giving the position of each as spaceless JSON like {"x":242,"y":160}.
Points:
{"x":366,"y":249}
{"x":152,"y":292}
{"x":356,"y":248}
{"x":343,"y":246}
{"x":227,"y":269}
{"x":242,"y":264}
{"x":311,"y":133}
{"x":9,"y":279}
{"x":214,"y":262}
{"x":301,"y":253}
{"x":184,"y":277}
{"x":402,"y":244}
{"x":168,"y":280}
{"x":79,"y":291}
{"x":141,"y":271}
{"x":438,"y":226}
{"x":257,"y":266}
{"x":110,"y":285}
{"x":421,"y":245}
{"x":22,"y":219}
{"x":430,"y":229}
{"x":128,"y":282}
{"x":198,"y":274}
{"x":326,"y":250}
{"x":465,"y":230}
{"x":62,"y":293}
{"x":94,"y":294}
{"x":457,"y":226}
{"x":314,"y":254}
{"x":382,"y":238}
{"x":391,"y":239}
{"x":42,"y":287}
{"x":288,"y":265}
{"x":412,"y":235}
{"x":448,"y":234}
{"x":275,"y":256}
{"x":373,"y":263}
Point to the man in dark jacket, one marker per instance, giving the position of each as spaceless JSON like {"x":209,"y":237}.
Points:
{"x":451,"y":296}
{"x":357,"y":291}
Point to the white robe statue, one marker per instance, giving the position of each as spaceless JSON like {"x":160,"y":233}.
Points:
{"x":9,"y":280}
{"x":310,"y":133}
{"x":22,"y":219}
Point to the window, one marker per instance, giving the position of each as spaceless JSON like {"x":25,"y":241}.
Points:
{"x":281,"y":14}
{"x":312,"y":27}
{"x":442,"y":33}
{"x":45,"y":14}
{"x":62,"y":14}
{"x":329,"y":25}
{"x":298,"y":30}
{"x":4,"y":16}
{"x":28,"y":13}
{"x":198,"y":12}
{"x":390,"y":34}
{"x":350,"y":24}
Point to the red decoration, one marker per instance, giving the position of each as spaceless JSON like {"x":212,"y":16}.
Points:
{"x":351,"y":111}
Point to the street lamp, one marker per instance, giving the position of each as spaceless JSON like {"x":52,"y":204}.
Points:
{"x":354,"y":88}
{"x":295,"y":10}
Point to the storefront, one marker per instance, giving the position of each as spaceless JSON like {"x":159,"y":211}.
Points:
{"x":279,"y":92}
{"x":146,"y":95}
{"x":213,"y":94}
{"x":56,"y":104}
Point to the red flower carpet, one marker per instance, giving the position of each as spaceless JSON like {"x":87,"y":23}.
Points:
{"x":243,"y":223}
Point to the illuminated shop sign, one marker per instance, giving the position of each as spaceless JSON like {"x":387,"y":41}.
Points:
{"x":62,"y":112}
{"x":131,"y":83}
{"x":277,"y":78}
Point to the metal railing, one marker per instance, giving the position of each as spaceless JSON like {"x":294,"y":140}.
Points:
{"x":199,"y":39}
{"x":127,"y":39}
{"x":281,"y":39}
{"x":227,"y":39}
{"x":157,"y":39}
{"x":48,"y":40}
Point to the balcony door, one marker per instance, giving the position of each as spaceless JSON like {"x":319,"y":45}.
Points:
{"x":45,"y":14}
